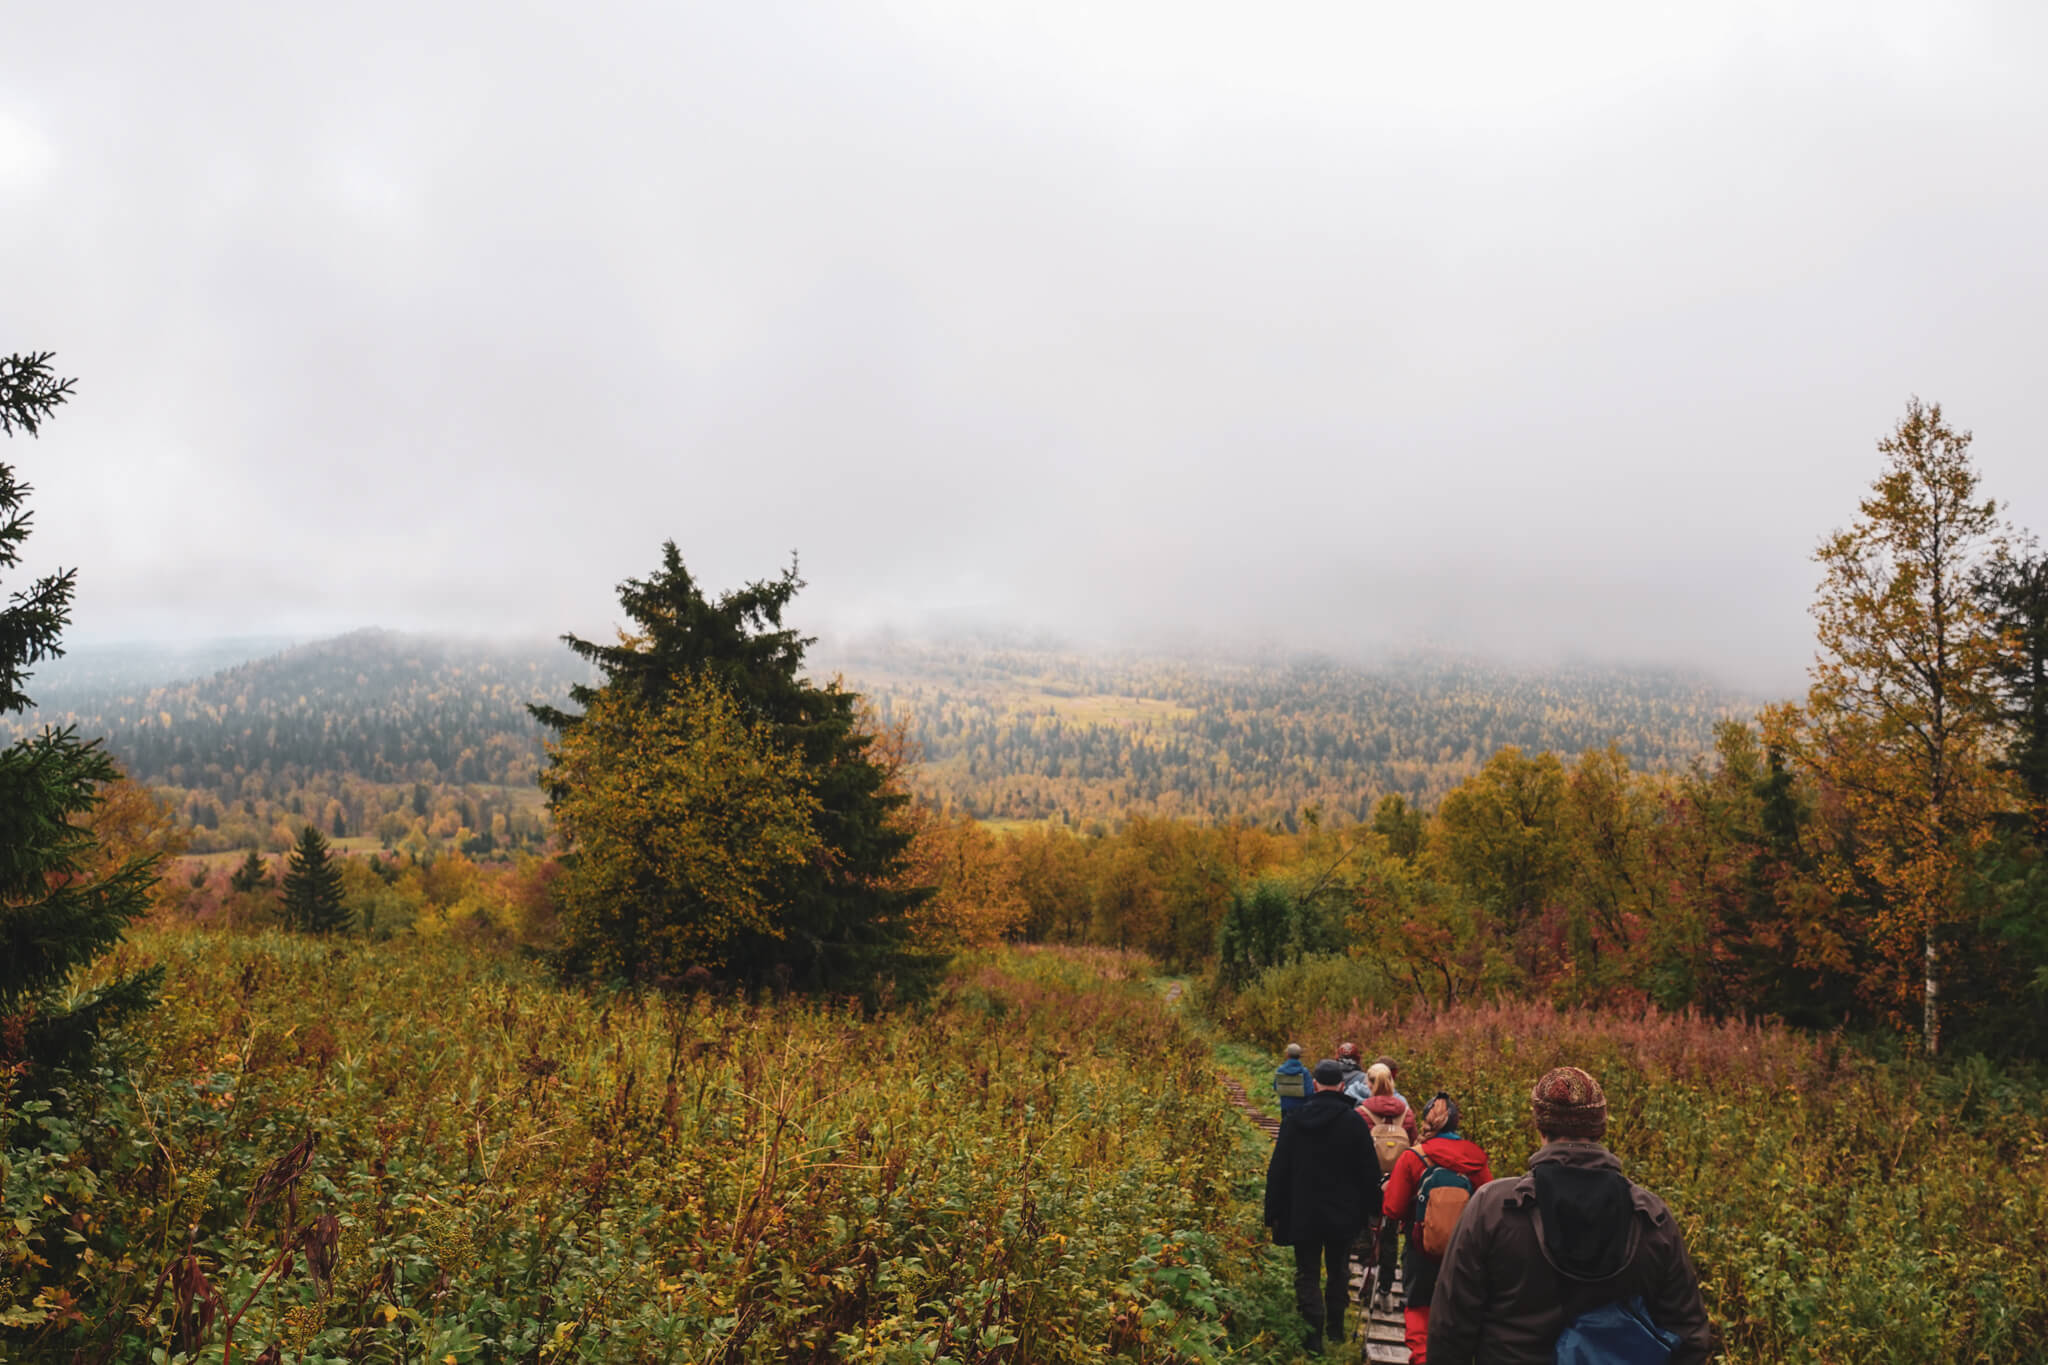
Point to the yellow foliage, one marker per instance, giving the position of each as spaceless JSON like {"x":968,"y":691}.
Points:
{"x":976,"y":901}
{"x":1901,"y":723}
{"x":131,"y":822}
{"x":685,"y":825}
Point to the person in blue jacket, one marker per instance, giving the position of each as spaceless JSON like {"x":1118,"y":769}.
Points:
{"x":1291,"y":1082}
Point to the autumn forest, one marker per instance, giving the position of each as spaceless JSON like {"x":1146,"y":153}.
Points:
{"x":606,"y":883}
{"x":1456,"y":829}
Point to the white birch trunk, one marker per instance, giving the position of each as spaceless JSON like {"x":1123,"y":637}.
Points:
{"x":1931,"y":1000}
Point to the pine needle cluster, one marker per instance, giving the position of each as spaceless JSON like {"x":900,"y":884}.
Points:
{"x":55,"y":915}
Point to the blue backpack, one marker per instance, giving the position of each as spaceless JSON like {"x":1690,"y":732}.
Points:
{"x":1615,"y":1334}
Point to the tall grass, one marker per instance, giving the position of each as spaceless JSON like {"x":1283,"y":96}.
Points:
{"x":408,"y":1152}
{"x":1840,"y":1208}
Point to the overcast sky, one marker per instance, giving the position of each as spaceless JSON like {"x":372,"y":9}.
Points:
{"x":1514,"y":327}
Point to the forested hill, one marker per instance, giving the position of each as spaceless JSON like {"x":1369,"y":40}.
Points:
{"x":91,"y":674}
{"x":1006,"y":733}
{"x":374,"y":704}
{"x":1039,"y":734}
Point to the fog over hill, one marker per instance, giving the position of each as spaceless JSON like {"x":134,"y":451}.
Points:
{"x":1501,"y":328}
{"x":107,"y":669}
{"x":1008,"y":729}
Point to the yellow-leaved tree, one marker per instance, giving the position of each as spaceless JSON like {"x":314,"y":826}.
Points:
{"x":1900,"y":722}
{"x":1499,"y":839}
{"x":684,"y":822}
{"x":974,"y":899}
{"x":130,"y":821}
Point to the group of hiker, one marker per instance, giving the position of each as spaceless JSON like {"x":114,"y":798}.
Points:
{"x":1572,"y":1263}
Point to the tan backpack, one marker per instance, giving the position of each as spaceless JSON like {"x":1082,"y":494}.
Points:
{"x":1389,"y":1140}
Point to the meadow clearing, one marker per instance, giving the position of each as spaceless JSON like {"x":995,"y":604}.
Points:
{"x":411,"y":1151}
{"x":420,"y":1150}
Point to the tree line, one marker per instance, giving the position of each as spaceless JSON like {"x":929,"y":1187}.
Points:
{"x":1871,"y":855}
{"x":365,"y":734}
{"x":1034,"y":734}
{"x":416,"y":743}
{"x":1874,"y":855}
{"x":378,"y":705}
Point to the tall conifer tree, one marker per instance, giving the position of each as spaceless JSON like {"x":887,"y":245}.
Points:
{"x":312,"y":887}
{"x":847,"y":920}
{"x":54,"y":917}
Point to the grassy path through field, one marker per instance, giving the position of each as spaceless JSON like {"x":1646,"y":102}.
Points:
{"x":1241,"y":1068}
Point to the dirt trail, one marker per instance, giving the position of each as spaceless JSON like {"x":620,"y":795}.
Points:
{"x":1381,"y":1329}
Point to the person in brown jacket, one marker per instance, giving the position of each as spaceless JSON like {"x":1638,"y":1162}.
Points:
{"x":1530,"y":1255}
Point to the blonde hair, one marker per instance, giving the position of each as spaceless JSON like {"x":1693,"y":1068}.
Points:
{"x":1380,"y":1079}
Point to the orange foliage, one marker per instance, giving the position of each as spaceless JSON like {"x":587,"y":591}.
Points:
{"x":131,"y":822}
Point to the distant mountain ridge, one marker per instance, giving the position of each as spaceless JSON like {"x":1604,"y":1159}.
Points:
{"x":1014,"y":733}
{"x":91,"y":671}
{"x":1007,"y":733}
{"x":376,"y":704}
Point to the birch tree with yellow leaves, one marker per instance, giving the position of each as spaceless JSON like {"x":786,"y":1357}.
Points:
{"x":1901,"y":720}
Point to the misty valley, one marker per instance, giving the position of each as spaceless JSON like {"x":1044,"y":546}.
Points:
{"x":1023,"y":684}
{"x":915,"y":1009}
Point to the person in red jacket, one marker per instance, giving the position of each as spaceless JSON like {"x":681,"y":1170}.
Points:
{"x":1441,"y":1145}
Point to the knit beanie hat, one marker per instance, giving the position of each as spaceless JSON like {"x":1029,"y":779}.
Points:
{"x":1329,"y":1073}
{"x":1294,"y":1049}
{"x":1569,"y":1104}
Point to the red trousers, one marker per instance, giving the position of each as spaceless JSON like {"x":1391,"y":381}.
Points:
{"x":1415,"y":1324}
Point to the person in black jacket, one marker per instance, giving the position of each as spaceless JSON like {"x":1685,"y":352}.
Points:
{"x":1318,"y":1191}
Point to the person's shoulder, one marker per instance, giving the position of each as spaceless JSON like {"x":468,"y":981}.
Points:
{"x":1514,"y":1189}
{"x":1648,"y":1201}
{"x":1496,"y":1207}
{"x":1440,"y":1148}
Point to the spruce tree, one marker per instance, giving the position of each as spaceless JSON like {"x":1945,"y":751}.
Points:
{"x":2014,"y":591}
{"x":846,"y":921}
{"x":312,"y":887}
{"x":54,"y":917}
{"x":250,"y":875}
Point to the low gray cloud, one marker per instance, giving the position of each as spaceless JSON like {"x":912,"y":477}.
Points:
{"x":1520,"y":329}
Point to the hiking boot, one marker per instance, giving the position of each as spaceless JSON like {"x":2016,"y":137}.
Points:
{"x":1314,"y":1345}
{"x":1334,"y":1329}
